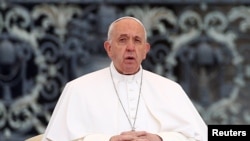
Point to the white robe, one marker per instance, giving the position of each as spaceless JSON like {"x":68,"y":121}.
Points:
{"x":89,"y":110}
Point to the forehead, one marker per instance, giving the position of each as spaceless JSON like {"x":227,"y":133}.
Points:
{"x":128,"y":27}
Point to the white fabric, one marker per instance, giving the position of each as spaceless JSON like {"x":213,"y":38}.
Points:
{"x":89,"y":109}
{"x":128,"y":89}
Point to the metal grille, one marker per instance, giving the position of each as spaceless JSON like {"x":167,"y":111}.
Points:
{"x":203,"y":45}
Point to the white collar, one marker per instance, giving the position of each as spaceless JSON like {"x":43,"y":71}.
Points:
{"x":121,"y":77}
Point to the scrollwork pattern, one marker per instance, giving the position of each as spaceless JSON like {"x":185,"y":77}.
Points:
{"x":44,"y":46}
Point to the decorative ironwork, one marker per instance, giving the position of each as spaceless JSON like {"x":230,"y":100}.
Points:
{"x":45,"y":45}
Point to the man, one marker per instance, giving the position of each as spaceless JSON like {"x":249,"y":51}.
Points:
{"x":124,"y":102}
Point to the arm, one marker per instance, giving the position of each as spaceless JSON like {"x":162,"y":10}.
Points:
{"x":174,"y":136}
{"x":134,"y":135}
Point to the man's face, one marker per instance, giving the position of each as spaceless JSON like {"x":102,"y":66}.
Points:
{"x":127,"y":46}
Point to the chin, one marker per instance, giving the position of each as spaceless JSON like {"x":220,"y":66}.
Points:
{"x":129,"y":71}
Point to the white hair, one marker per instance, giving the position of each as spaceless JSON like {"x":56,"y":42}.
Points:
{"x":126,"y":17}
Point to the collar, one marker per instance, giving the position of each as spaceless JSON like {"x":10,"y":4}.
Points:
{"x":121,"y":77}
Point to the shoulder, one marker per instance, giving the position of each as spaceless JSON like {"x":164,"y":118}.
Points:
{"x":163,"y":86}
{"x":156,"y":78}
{"x":95,"y":77}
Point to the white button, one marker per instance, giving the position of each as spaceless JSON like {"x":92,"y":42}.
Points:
{"x":132,"y":109}
{"x":131,"y":99}
{"x":130,"y":89}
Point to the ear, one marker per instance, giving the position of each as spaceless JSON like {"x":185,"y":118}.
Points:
{"x":107,"y":47}
{"x":147,"y":49}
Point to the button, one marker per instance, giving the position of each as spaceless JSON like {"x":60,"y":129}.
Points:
{"x":132,"y":99}
{"x":130,"y":89}
{"x":132,"y":109}
{"x":132,"y":117}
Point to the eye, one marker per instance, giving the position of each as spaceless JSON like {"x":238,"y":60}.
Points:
{"x":138,"y":41}
{"x":122,"y":40}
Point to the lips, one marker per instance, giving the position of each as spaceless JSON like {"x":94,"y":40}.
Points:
{"x":129,"y":59}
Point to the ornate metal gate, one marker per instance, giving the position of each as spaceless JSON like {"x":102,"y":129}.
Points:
{"x":203,"y":45}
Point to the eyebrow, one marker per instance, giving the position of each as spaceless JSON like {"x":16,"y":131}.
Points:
{"x":126,"y":35}
{"x":123,"y":35}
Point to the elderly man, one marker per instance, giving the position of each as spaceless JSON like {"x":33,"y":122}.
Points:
{"x":124,"y":102}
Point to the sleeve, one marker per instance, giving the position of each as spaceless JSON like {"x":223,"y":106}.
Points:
{"x":97,"y":137}
{"x":58,"y":128}
{"x":174,"y":136}
{"x":57,"y":121}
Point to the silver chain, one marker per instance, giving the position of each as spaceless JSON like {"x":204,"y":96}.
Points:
{"x":138,"y":101}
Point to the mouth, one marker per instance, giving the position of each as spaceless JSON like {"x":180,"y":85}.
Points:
{"x":129,"y":58}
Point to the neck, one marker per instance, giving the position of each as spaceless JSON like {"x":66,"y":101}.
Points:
{"x":122,"y":76}
{"x":127,"y":72}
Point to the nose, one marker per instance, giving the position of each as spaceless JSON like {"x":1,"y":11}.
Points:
{"x":130,"y":46}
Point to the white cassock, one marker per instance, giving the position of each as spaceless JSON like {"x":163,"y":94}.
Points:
{"x":89,"y":108}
